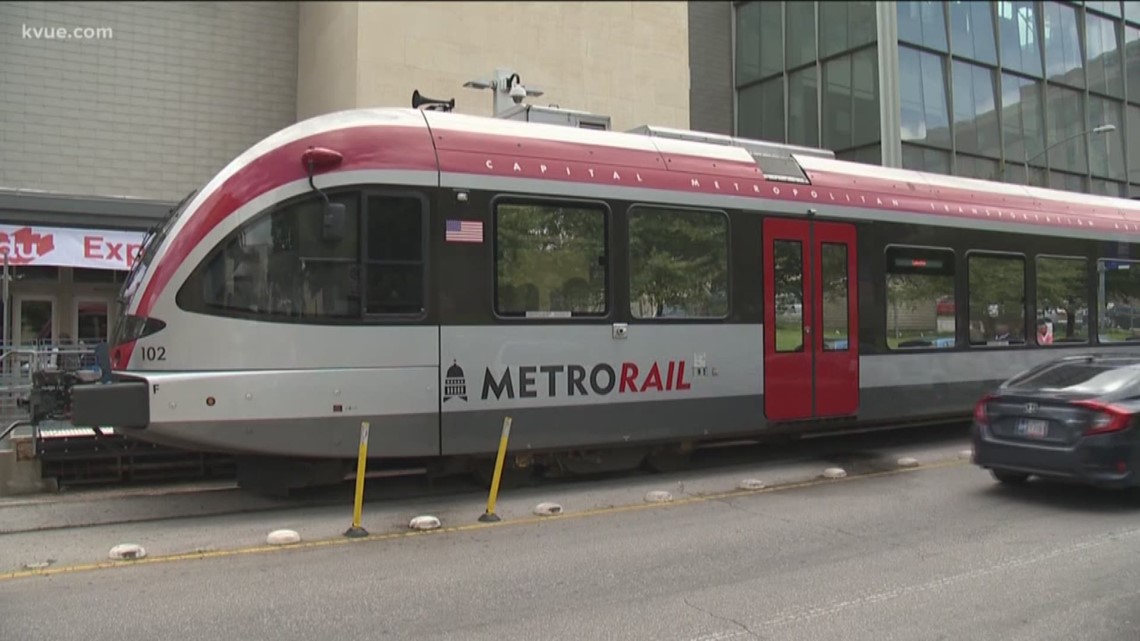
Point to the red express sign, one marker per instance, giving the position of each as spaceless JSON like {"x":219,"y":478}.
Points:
{"x":65,"y":247}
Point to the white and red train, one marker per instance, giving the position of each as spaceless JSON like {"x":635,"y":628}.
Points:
{"x":628,"y":293}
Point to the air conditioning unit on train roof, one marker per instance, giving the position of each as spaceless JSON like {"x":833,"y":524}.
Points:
{"x":554,"y":115}
{"x":774,"y":159}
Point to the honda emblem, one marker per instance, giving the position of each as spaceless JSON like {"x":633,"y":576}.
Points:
{"x":1031,"y":408}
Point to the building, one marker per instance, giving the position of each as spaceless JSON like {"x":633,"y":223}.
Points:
{"x":978,"y":89}
{"x":110,"y":113}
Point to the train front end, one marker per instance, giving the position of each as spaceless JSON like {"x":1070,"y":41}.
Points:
{"x":242,"y":329}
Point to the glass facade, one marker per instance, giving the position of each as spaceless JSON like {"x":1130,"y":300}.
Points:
{"x":807,"y":73}
{"x":985,"y":89}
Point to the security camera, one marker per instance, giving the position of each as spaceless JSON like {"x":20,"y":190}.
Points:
{"x":517,"y":93}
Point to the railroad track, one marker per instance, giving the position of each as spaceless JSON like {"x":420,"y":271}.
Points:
{"x":158,"y":502}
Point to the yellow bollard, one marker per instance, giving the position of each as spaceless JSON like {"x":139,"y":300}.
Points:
{"x":489,"y":516}
{"x":356,"y":531}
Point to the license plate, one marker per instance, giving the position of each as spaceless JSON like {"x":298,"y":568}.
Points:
{"x":1032,"y":428}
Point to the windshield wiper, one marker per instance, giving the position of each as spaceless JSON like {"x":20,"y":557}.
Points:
{"x":144,"y":251}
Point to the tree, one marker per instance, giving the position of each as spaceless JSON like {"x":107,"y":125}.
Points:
{"x":679,"y":259}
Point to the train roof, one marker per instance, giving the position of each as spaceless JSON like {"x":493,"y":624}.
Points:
{"x":692,"y":168}
{"x":797,"y":170}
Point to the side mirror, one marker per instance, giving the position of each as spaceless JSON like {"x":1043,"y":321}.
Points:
{"x":333,"y":221}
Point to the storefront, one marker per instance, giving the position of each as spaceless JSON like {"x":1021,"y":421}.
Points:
{"x":66,"y":259}
{"x":63,"y":282}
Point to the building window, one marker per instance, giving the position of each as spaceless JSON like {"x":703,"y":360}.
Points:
{"x":922,"y":83}
{"x":761,"y":110}
{"x":1132,"y":59}
{"x":851,"y":101}
{"x":1111,"y":7}
{"x":1062,"y":302}
{"x":1023,"y":118}
{"x":975,"y":115}
{"x":997,"y":299}
{"x":1119,"y":285}
{"x":1064,"y":59}
{"x":920,"y":298}
{"x":1066,"y":122}
{"x":918,"y":158}
{"x":1017,"y":31}
{"x":972,"y":30}
{"x":845,"y":25}
{"x":759,"y":41}
{"x":678,"y":263}
{"x":1104,"y":62}
{"x":1106,"y":150}
{"x":550,"y":260}
{"x":801,"y":29}
{"x":803,"y":107}
{"x":922,"y":23}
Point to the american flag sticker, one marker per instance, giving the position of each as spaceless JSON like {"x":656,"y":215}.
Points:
{"x":464,"y":231}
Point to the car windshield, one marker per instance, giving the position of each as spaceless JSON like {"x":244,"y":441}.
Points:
{"x":1081,"y":377}
{"x":153,"y":240}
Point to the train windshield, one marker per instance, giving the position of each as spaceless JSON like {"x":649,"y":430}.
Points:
{"x":153,"y":240}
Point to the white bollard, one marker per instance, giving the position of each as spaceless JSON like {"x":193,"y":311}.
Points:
{"x":548,"y":509}
{"x":283,"y":537}
{"x":751,"y":484}
{"x":127,"y":552}
{"x":425,"y":522}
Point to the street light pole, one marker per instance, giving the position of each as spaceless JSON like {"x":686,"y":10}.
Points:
{"x":1102,"y":129}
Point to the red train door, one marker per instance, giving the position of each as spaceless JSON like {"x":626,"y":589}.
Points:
{"x":811,"y":336}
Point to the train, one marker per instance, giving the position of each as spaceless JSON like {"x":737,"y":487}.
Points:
{"x":625,"y":297}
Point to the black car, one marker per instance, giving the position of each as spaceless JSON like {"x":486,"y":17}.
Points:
{"x":1074,"y":418}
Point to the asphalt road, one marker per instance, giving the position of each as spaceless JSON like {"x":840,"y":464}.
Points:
{"x":940,"y":553}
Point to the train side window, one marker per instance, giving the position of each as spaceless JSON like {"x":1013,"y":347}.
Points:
{"x":550,"y":260}
{"x":920,"y":298}
{"x":678,"y":262}
{"x":393,"y":256}
{"x":289,"y":262}
{"x":997,"y":299}
{"x":1062,"y":300}
{"x":1118,"y":284}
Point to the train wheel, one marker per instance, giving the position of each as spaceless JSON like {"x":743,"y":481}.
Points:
{"x":670,"y":458}
{"x":512,"y":476}
{"x":621,"y":459}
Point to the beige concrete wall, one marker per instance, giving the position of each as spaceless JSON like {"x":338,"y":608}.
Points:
{"x":327,"y":57}
{"x":629,"y":60}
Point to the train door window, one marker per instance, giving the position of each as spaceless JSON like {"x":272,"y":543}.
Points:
{"x":678,"y":262}
{"x":1062,"y":300}
{"x":1118,"y":286}
{"x":787,"y":270}
{"x":394,"y":255}
{"x":997,"y":299}
{"x":833,"y":276}
{"x":292,"y":262}
{"x":920,"y":298}
{"x":550,"y":260}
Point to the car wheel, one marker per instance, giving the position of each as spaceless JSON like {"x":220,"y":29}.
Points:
{"x":1010,"y":478}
